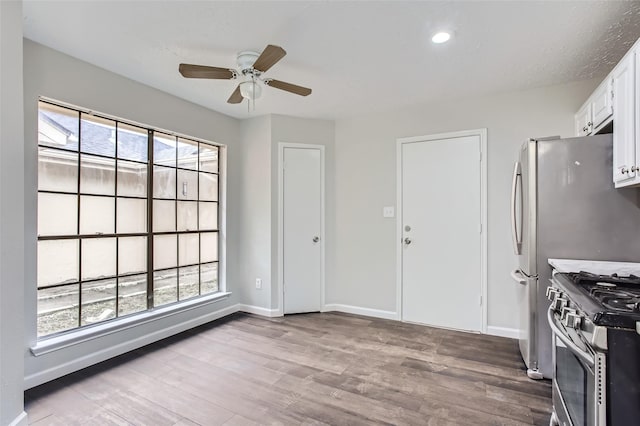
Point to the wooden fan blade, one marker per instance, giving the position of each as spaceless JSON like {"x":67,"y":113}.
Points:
{"x":201,"y":71}
{"x":283,"y":85}
{"x":268,"y":58}
{"x":236,"y":96}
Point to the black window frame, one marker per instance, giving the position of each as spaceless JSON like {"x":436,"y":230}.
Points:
{"x":149,"y":233}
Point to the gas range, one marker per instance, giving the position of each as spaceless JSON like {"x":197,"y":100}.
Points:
{"x":607,"y":300}
{"x":595,"y":320}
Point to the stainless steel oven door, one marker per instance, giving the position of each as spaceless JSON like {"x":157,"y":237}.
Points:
{"x":578,"y":389}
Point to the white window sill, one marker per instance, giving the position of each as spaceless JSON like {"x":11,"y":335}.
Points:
{"x":74,"y":337}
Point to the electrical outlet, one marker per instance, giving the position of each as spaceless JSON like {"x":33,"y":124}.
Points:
{"x":258,"y":283}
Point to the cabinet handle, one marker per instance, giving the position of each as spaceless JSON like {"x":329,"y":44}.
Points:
{"x":589,"y":124}
{"x":635,"y":169}
{"x":624,"y":170}
{"x":585,"y":128}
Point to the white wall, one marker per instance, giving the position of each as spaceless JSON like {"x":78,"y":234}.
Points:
{"x":11,"y":215}
{"x":55,"y":75}
{"x":365,"y":180}
{"x":254,"y":211}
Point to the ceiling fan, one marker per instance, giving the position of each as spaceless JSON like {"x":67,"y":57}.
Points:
{"x":251,"y":66}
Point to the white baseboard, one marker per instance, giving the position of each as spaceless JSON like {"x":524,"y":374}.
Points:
{"x":113,"y":351}
{"x":21,"y":420}
{"x":357,"y":310}
{"x":512,"y":333}
{"x":257,"y":310}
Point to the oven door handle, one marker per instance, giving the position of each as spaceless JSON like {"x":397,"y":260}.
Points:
{"x":585,"y":356}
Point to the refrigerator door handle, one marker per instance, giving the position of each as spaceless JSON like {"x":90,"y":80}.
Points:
{"x":517,"y":242}
{"x":518,"y":277}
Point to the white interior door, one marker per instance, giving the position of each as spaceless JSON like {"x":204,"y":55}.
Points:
{"x":441,"y":217}
{"x":302,"y":230}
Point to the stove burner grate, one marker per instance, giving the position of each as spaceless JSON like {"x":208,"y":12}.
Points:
{"x":604,"y":279}
{"x":630,"y":304}
{"x":614,"y":292}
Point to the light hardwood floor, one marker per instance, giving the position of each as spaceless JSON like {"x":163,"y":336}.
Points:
{"x":326,"y":368}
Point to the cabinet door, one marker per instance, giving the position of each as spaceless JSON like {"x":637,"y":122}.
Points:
{"x":601,"y":103}
{"x":583,"y":120}
{"x":624,"y":152}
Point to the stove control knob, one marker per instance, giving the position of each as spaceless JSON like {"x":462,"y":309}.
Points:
{"x":572,"y":320}
{"x":565,"y":312}
{"x":552,"y":293}
{"x":559,"y":303}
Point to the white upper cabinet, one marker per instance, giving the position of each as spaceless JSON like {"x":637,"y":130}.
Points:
{"x":625,"y":166}
{"x":617,"y":101}
{"x":597,"y":111}
{"x":583,"y":120}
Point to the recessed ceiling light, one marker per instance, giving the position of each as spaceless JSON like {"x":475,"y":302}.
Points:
{"x":441,"y":37}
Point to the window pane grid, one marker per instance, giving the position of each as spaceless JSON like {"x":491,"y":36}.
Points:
{"x":116,"y":191}
{"x":106,"y":157}
{"x":133,"y":274}
{"x":88,"y":236}
{"x":166,"y":269}
{"x":164,"y":166}
{"x":45,"y":191}
{"x":114,"y":162}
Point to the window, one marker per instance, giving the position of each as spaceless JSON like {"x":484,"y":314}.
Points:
{"x":127,"y":218}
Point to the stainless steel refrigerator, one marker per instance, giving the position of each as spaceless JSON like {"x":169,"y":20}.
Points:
{"x":564,"y":205}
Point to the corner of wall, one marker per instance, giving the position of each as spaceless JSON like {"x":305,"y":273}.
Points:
{"x":254,"y":212}
{"x":12,"y":211}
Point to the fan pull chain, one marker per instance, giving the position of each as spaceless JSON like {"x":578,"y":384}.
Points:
{"x":253,"y":81}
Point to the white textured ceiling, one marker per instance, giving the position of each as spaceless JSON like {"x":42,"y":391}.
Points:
{"x":358,"y":57}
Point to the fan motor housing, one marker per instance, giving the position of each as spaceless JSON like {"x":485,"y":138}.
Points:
{"x":246,"y":60}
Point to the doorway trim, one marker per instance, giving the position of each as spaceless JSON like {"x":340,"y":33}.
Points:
{"x":482,"y":134}
{"x":280,"y":233}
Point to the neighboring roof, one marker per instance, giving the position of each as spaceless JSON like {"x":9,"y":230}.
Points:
{"x":101,"y":140}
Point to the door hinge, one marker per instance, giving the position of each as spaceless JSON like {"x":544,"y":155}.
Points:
{"x":480,"y":228}
{"x":480,"y":156}
{"x":480,"y":300}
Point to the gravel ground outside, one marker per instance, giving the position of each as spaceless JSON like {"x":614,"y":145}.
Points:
{"x":58,"y":307}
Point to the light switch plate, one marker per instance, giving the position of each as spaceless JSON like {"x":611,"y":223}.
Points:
{"x":388,"y":211}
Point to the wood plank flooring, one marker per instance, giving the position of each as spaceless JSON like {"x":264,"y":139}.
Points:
{"x":329,"y":368}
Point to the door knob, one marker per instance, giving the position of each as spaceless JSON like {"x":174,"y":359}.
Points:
{"x":316,"y":239}
{"x":407,"y":240}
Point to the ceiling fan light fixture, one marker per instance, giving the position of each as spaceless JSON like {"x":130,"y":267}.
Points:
{"x":441,"y":37}
{"x":250,"y":89}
